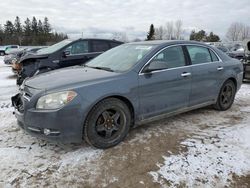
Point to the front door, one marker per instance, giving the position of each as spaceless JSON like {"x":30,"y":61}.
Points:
{"x":75,"y":54}
{"x":168,"y":89}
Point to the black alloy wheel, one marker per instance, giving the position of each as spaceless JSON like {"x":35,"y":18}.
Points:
{"x":108,"y":123}
{"x":226,"y":96}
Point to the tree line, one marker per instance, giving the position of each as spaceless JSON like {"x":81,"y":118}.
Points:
{"x":31,"y":32}
{"x":174,"y":31}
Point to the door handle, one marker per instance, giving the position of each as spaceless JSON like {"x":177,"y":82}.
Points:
{"x":186,"y":74}
{"x":220,"y":68}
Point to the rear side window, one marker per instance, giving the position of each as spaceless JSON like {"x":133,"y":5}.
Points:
{"x":199,"y":54}
{"x":100,"y":46}
{"x":214,"y":57}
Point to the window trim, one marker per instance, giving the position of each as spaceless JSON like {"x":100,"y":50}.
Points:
{"x":188,"y":59}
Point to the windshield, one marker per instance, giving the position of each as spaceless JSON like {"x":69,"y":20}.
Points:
{"x":54,"y":48}
{"x":121,"y":58}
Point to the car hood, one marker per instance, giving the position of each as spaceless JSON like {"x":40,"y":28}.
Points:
{"x":33,"y":56}
{"x":69,"y":77}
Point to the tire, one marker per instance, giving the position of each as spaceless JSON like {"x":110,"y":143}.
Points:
{"x":107,"y":124}
{"x":226,"y":97}
{"x":2,"y":53}
{"x":19,"y":80}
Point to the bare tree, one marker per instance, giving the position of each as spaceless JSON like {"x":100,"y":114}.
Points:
{"x":238,"y":32}
{"x":121,"y":36}
{"x":159,"y":33}
{"x":169,"y":34}
{"x":178,"y":30}
{"x":245,"y":33}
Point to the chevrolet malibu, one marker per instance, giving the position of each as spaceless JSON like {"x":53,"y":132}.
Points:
{"x":126,"y":86}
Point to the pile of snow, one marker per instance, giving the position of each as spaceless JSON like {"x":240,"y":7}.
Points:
{"x":213,"y":155}
{"x":211,"y":159}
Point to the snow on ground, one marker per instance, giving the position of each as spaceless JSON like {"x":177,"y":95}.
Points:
{"x":202,"y":148}
{"x":213,"y":155}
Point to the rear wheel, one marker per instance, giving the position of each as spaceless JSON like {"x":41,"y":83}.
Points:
{"x":226,"y":96}
{"x":107,"y":124}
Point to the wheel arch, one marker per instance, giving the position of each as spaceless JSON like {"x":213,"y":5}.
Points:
{"x":234,"y":81}
{"x":120,"y":97}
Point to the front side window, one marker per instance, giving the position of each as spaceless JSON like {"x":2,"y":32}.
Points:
{"x":100,"y":46}
{"x":199,"y":54}
{"x":79,"y":47}
{"x":171,"y":57}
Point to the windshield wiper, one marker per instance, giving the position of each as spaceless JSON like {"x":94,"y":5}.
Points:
{"x":102,"y":68}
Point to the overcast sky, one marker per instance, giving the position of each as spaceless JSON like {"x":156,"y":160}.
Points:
{"x":133,"y":16}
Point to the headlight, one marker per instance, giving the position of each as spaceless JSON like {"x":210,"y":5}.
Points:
{"x":55,"y":100}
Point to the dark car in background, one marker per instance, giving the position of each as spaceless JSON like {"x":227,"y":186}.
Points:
{"x":126,"y":86}
{"x":14,"y":56}
{"x":247,"y":59}
{"x":63,"y":54}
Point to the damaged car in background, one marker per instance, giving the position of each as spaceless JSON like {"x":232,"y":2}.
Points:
{"x":126,"y":86}
{"x":63,"y":54}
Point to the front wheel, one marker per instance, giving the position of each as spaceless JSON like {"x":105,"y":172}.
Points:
{"x":107,"y":124}
{"x":226,"y":96}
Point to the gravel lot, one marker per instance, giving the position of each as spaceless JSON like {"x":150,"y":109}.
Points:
{"x":199,"y":148}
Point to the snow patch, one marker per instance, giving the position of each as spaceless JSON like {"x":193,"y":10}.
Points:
{"x":211,"y":159}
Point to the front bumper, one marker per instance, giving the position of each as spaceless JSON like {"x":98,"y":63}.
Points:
{"x":63,"y":125}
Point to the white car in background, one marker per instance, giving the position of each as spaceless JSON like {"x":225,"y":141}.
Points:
{"x":6,"y":49}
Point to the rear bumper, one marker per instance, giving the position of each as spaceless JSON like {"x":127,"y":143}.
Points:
{"x":64,"y":125}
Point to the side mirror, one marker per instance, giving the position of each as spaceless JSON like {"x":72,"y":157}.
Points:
{"x":66,"y":53}
{"x":155,"y":65}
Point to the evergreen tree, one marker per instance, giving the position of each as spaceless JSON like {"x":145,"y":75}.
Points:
{"x":31,"y":33}
{"x":18,"y":31}
{"x":27,"y":27}
{"x":213,"y":38}
{"x":199,"y":36}
{"x":46,"y":26}
{"x":18,"y":26}
{"x":1,"y":34}
{"x":9,"y":28}
{"x":34,"y":26}
{"x":40,"y":27}
{"x":151,"y":33}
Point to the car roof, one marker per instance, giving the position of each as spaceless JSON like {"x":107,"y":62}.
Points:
{"x":110,"y":40}
{"x":168,"y":42}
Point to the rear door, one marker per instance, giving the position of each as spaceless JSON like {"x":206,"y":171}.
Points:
{"x":168,"y":89}
{"x":206,"y":71}
{"x":75,"y":54}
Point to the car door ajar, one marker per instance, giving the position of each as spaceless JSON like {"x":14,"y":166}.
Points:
{"x":167,"y":89}
{"x":75,"y":54}
{"x":206,"y":71}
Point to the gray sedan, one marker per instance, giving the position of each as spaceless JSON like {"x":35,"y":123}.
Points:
{"x":125,"y":87}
